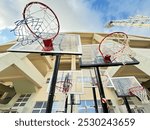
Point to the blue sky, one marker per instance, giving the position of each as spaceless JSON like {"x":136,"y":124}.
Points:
{"x":78,"y":15}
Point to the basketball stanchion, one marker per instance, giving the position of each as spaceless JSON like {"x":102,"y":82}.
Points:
{"x":38,"y":32}
{"x":112,"y":50}
{"x":114,"y":47}
{"x":129,"y":86}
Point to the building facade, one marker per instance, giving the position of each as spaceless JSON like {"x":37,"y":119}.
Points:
{"x":24,"y":80}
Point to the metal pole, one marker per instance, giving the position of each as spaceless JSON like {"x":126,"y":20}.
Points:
{"x":94,"y":92}
{"x":101,"y":90}
{"x":52,"y":86}
{"x":95,"y":99}
{"x":66,"y":104}
{"x":127,"y":104}
{"x":72,"y":102}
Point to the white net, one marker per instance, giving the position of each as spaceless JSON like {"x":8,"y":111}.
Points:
{"x":115,"y":48}
{"x":39,"y":23}
{"x":24,"y":35}
{"x":140,"y":92}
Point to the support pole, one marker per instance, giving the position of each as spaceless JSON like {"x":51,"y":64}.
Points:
{"x":101,"y":90}
{"x":72,"y":102}
{"x":127,"y":104}
{"x":52,"y":85}
{"x":95,"y":99}
{"x":66,"y":104}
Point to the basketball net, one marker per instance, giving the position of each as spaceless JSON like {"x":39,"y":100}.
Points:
{"x":39,"y":24}
{"x":140,"y":92}
{"x":63,"y":86}
{"x":24,"y":36}
{"x":115,"y":48}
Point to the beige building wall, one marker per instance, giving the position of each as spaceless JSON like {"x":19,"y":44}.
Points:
{"x":29,"y":72}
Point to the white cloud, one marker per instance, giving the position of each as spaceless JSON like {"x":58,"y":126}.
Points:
{"x":10,"y":12}
{"x":76,"y":15}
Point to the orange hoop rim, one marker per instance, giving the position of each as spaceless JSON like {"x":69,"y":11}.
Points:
{"x":105,"y":38}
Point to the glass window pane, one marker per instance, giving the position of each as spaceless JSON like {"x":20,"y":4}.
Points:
{"x":19,"y":100}
{"x":23,"y":95}
{"x":36,"y":111}
{"x":45,"y":104}
{"x":28,"y":95}
{"x":25,"y":99}
{"x":82,"y":103}
{"x":38,"y":105}
{"x":89,"y":103}
{"x":16,"y":104}
{"x":90,"y":110}
{"x":6,"y":112}
{"x":22,"y":104}
{"x":13,"y":111}
{"x":82,"y":110}
{"x":43,"y":111}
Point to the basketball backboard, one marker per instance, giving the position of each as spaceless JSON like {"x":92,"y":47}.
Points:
{"x":106,"y":80}
{"x":70,"y":79}
{"x":122,"y":85}
{"x":60,"y":102}
{"x":74,"y":99}
{"x":89,"y":79}
{"x":69,"y":44}
{"x":91,"y":57}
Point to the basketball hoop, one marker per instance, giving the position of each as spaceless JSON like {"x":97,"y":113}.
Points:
{"x":115,"y":47}
{"x":63,"y":87}
{"x":39,"y":23}
{"x":140,"y":92}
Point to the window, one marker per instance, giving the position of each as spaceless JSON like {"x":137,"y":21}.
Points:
{"x":88,"y":106}
{"x":10,"y":111}
{"x":47,"y":81}
{"x":22,"y":100}
{"x":40,"y":107}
